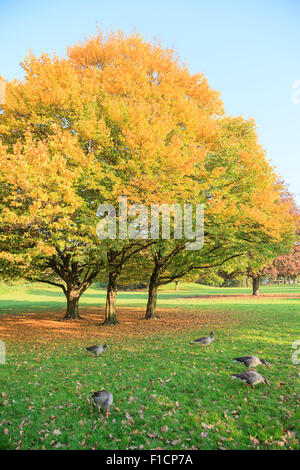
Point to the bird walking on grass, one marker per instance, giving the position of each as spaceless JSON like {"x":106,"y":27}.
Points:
{"x":251,"y":361}
{"x":251,"y":377}
{"x":103,"y":400}
{"x":97,"y":349}
{"x":205,"y":340}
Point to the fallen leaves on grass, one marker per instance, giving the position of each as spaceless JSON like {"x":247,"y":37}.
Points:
{"x":48,"y":326}
{"x":207,"y":426}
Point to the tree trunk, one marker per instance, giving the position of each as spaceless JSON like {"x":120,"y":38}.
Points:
{"x":152,"y":294}
{"x":176,"y":286}
{"x":255,"y":285}
{"x":151,"y":304}
{"x":73,"y":296}
{"x":110,"y":307}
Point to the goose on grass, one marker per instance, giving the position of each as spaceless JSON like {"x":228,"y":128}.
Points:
{"x":205,"y":340}
{"x":251,"y":361}
{"x":97,"y":349}
{"x":103,"y":400}
{"x":251,"y":377}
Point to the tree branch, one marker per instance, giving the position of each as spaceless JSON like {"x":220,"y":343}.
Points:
{"x":47,"y":282}
{"x":191,"y":268}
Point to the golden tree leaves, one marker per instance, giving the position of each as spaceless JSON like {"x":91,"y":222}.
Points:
{"x":122,"y":116}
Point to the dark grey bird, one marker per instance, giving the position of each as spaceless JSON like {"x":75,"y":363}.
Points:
{"x":97,"y":349}
{"x":251,"y":377}
{"x":205,"y":340}
{"x":251,"y":361}
{"x":103,"y":400}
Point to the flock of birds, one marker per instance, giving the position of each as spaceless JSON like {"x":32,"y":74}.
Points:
{"x":251,"y":376}
{"x":104,"y":399}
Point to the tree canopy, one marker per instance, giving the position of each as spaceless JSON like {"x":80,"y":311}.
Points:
{"x":119,"y":116}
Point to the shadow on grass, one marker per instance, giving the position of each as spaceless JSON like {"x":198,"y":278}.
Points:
{"x":38,"y":299}
{"x":91,"y":294}
{"x":23,"y":306}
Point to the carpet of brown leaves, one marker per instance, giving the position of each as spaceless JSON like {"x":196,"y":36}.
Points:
{"x":50,"y":326}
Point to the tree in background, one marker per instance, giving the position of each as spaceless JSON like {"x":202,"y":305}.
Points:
{"x":288,"y":266}
{"x":261,"y":257}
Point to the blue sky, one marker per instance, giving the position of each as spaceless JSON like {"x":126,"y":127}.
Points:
{"x":249,"y":50}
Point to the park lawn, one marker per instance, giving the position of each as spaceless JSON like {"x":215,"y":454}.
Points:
{"x":39,"y":297}
{"x":168,"y":393}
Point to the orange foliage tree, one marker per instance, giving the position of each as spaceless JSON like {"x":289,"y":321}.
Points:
{"x":261,"y":258}
{"x":246,"y":209}
{"x":124,"y":117}
{"x":43,"y":230}
{"x":135,"y":119}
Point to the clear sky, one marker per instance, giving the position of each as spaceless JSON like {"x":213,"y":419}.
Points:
{"x":248,"y":49}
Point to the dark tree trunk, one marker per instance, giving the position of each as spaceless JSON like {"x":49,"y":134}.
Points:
{"x":76,"y":279}
{"x":255,"y":285}
{"x":152,"y":294}
{"x":151,"y":304}
{"x":73,"y":296}
{"x":110,"y":307}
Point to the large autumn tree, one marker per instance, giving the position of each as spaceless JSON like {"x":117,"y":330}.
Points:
{"x":246,"y":209}
{"x":136,"y":122}
{"x":170,"y":120}
{"x":127,"y":119}
{"x":46,"y":233}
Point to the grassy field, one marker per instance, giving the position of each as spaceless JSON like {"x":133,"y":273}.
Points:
{"x":40,"y":297}
{"x":168,"y":393}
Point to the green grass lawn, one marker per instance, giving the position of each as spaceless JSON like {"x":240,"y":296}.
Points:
{"x":40,"y":297}
{"x":167,"y":392}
